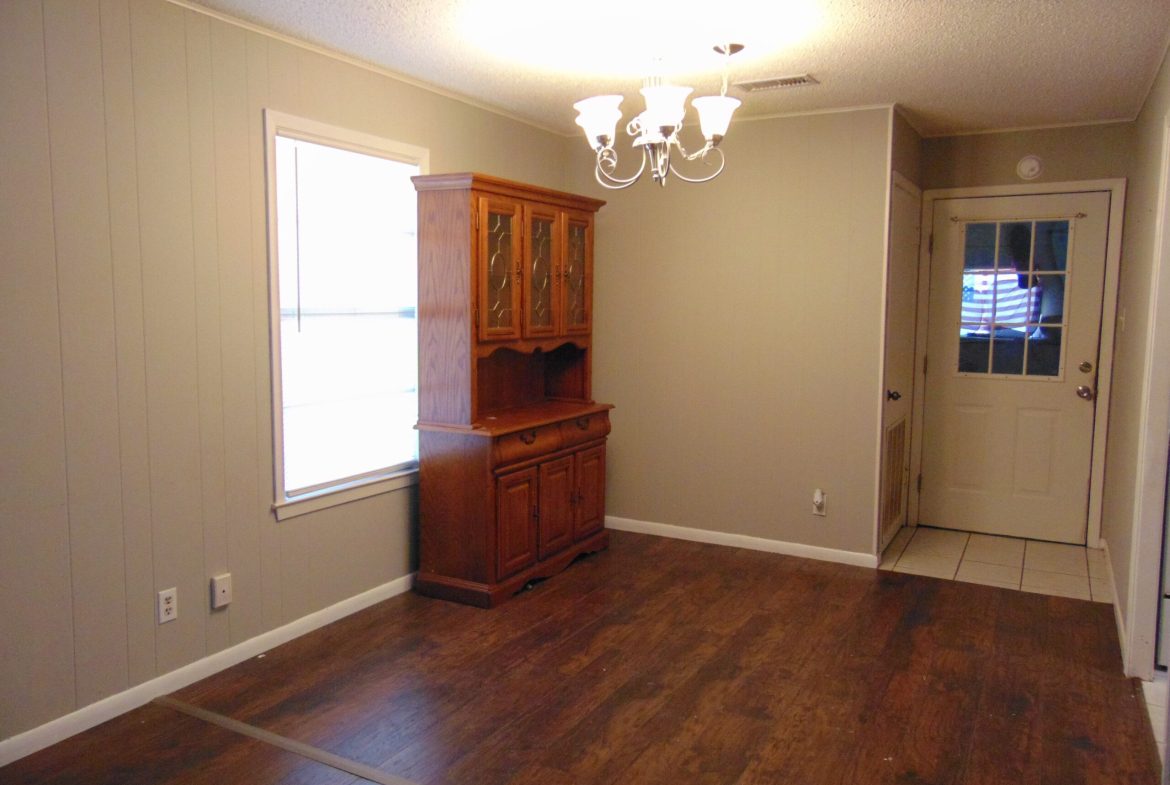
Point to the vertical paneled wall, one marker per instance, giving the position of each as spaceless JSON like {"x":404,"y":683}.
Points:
{"x":136,"y":415}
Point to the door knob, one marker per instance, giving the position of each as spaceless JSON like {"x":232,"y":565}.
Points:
{"x":1085,"y":392}
{"x":893,"y":395}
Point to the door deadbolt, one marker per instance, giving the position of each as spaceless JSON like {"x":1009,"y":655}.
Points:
{"x":1085,"y":392}
{"x":1086,"y":367}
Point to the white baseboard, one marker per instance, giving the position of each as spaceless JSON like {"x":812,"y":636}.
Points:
{"x":742,"y":541}
{"x":87,"y":717}
{"x":1122,"y":637}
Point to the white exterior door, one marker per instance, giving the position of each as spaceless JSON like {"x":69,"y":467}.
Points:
{"x":1012,"y":351}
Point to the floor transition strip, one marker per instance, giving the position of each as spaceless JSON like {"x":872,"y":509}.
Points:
{"x":295,"y":747}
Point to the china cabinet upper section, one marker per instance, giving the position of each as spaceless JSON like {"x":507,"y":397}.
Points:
{"x":533,"y":255}
{"x":505,"y":296}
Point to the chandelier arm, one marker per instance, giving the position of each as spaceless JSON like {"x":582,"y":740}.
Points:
{"x":708,"y":178}
{"x":604,"y":173}
{"x":700,"y":153}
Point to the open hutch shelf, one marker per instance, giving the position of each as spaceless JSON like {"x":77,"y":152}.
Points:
{"x":511,"y":442}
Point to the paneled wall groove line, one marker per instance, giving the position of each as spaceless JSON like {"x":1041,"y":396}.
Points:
{"x":289,"y":745}
{"x":123,"y":508}
{"x":135,"y":99}
{"x":61,"y":351}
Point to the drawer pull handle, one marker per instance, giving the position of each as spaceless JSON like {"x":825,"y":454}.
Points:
{"x":528,"y":438}
{"x":583,"y":423}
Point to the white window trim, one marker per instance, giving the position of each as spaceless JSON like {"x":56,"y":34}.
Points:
{"x":344,"y":493}
{"x":294,"y":127}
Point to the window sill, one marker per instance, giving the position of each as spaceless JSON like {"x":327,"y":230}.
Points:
{"x":332,"y":497}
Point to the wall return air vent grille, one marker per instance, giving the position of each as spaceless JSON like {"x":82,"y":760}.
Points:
{"x":777,"y":83}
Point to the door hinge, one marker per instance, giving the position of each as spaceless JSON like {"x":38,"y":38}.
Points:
{"x":920,"y":482}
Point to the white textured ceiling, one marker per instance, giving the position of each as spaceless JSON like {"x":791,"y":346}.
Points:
{"x":955,"y":66}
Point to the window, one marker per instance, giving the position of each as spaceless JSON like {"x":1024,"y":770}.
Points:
{"x":343,"y":283}
{"x":1012,"y":315}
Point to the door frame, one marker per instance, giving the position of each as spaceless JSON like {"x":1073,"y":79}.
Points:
{"x":1116,"y":189}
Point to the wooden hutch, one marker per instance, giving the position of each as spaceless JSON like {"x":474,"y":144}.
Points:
{"x":511,"y":443}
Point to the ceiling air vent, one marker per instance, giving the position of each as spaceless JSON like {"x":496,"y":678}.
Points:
{"x":777,"y":83}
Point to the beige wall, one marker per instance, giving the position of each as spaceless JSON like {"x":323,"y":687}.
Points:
{"x":134,"y":353}
{"x":1129,"y":547}
{"x":738,"y":331}
{"x":906,"y":149}
{"x":1088,"y":152}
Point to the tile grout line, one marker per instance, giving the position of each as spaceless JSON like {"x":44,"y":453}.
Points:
{"x":304,"y":750}
{"x":962,"y":555}
{"x":905,"y":546}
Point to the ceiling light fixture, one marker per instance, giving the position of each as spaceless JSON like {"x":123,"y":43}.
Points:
{"x":656,"y":129}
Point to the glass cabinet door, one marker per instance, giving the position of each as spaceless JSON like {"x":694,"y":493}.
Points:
{"x":499,"y":269}
{"x":541,"y":263}
{"x":578,"y":304}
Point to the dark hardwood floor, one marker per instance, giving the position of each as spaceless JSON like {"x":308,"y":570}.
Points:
{"x":662,"y":661}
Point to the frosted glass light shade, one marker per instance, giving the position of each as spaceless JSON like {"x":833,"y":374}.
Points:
{"x":715,"y":114}
{"x":665,"y":105}
{"x":598,"y":117}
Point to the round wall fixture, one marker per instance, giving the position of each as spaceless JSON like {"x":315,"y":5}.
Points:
{"x":1029,"y":167}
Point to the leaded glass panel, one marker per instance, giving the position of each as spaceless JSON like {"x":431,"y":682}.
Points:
{"x":540,"y":273}
{"x":499,"y":271}
{"x":575,"y":276}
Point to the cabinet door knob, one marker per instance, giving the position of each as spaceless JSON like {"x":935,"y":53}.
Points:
{"x":529,"y":437}
{"x":583,"y":423}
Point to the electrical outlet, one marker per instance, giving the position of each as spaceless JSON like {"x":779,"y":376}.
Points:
{"x":820,"y":502}
{"x":221,"y":590}
{"x":168,"y":605}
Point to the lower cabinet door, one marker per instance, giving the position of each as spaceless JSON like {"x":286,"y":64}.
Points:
{"x":590,"y":508}
{"x":555,"y":516}
{"x":516,"y":497}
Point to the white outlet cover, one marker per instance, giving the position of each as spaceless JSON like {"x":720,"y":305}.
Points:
{"x":168,"y":605}
{"x":221,"y":590}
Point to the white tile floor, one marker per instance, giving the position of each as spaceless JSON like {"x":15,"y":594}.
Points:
{"x":1156,"y":696}
{"x":1027,"y":565}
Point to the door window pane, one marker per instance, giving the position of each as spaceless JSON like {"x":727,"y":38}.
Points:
{"x":979,"y":248}
{"x":1015,"y":247}
{"x":1044,"y":351}
{"x":1051,"y":254}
